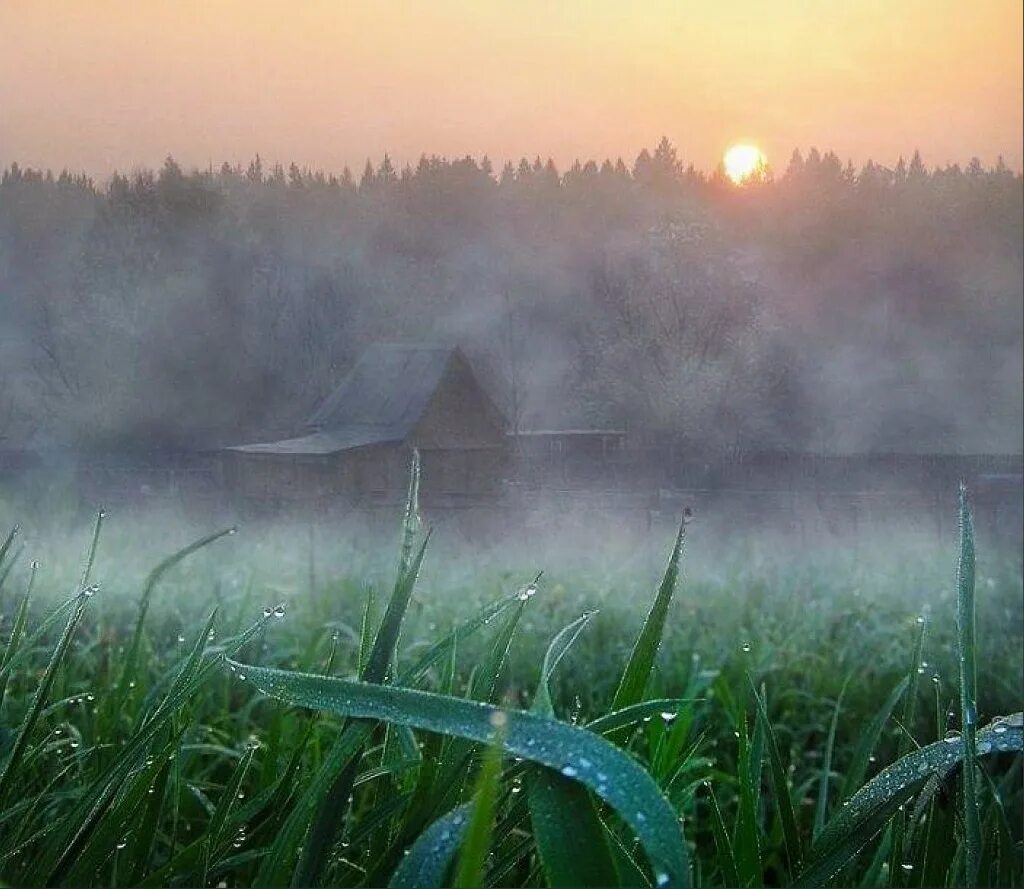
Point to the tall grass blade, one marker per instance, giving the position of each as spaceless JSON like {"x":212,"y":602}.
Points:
{"x":10,"y":768}
{"x":869,"y":739}
{"x":17,"y":634}
{"x":641,"y":660}
{"x":726,"y":855}
{"x":132,"y":658}
{"x":571,"y":840}
{"x":966,"y":644}
{"x":871,"y":808}
{"x":821,"y":809}
{"x":783,"y":796}
{"x":469,"y":872}
{"x":326,"y":822}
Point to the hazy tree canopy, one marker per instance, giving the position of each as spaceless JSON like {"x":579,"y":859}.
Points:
{"x":825,"y":308}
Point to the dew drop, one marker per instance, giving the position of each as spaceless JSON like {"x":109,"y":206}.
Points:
{"x":745,"y":647}
{"x":279,"y":611}
{"x":569,"y":771}
{"x":268,"y":611}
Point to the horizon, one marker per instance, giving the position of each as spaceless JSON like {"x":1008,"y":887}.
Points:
{"x":119,"y":86}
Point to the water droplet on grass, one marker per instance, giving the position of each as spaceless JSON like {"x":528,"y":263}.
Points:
{"x":279,"y":611}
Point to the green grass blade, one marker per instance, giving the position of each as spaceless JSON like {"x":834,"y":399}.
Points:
{"x":556,"y":650}
{"x":966,"y":645}
{"x":571,"y":840}
{"x":431,"y":855}
{"x":726,"y":855}
{"x":871,"y":808}
{"x":383,"y":650}
{"x":748,"y":841}
{"x":641,"y":660}
{"x":821,"y":810}
{"x":5,"y":548}
{"x":326,"y":821}
{"x":469,"y":872}
{"x":10,"y":769}
{"x":17,"y":633}
{"x":869,"y":739}
{"x":783,"y":796}
{"x":154,"y":577}
{"x":575,"y":752}
{"x":618,"y":719}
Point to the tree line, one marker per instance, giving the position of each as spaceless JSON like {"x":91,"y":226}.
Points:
{"x":822,"y":307}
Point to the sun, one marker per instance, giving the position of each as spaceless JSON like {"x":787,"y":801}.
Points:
{"x":744,"y":161}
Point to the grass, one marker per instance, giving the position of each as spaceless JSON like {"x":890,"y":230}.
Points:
{"x":226,"y":719}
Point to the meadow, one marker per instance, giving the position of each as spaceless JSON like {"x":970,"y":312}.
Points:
{"x":245,"y":710}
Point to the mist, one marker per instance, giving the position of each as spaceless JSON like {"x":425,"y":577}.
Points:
{"x":824,"y":309}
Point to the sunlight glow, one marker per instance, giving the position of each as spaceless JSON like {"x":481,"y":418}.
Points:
{"x":743,"y":161}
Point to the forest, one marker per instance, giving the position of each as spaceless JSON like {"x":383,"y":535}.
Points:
{"x":819,"y":307}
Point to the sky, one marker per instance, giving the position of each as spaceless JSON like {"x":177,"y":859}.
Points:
{"x":99,"y":85}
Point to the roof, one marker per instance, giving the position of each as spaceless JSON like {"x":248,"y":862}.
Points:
{"x":525,"y":433}
{"x":321,"y":443}
{"x":385,"y":393}
{"x":380,"y":401}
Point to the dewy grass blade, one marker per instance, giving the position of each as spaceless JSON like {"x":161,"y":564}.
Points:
{"x":325,"y":821}
{"x":783,"y":797}
{"x":870,"y":809}
{"x":575,"y":752}
{"x":821,"y":810}
{"x":428,"y":859}
{"x":469,"y":872}
{"x":748,"y":841}
{"x":869,"y":739}
{"x":154,"y":577}
{"x":641,"y":660}
{"x":10,"y":769}
{"x":966,"y":644}
{"x":571,"y":840}
{"x":726,"y":856}
{"x":17,"y":633}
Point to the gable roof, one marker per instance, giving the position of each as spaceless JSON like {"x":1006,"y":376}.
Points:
{"x":385,"y":393}
{"x":381,"y":400}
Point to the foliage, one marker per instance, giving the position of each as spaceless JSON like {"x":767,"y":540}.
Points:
{"x":783,"y":764}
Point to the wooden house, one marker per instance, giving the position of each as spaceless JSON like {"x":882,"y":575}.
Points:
{"x":358,"y":442}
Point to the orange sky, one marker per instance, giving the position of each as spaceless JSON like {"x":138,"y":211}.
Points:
{"x":104,"y":84}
